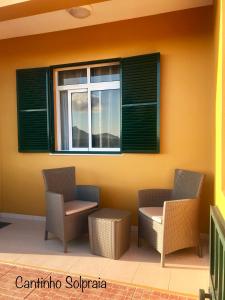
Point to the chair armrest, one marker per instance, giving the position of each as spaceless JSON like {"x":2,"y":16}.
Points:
{"x":55,"y":204}
{"x":87,"y":193}
{"x":153,"y":197}
{"x":180,"y":223}
{"x":175,"y":209}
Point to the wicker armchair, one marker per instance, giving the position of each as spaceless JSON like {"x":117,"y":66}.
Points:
{"x":68,"y":205}
{"x":168,"y":219}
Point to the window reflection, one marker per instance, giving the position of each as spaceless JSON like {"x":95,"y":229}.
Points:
{"x":79,"y":108}
{"x":69,"y":77}
{"x":105,"y":116}
{"x":105,"y":74}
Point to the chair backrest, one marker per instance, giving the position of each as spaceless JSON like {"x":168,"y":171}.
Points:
{"x":187,"y":184}
{"x":60,"y":180}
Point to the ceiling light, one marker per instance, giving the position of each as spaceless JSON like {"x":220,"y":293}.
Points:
{"x":80,"y":12}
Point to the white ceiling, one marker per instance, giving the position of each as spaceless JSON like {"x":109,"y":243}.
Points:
{"x":103,"y":12}
{"x":10,"y":2}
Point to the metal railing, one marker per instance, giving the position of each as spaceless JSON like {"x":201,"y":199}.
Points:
{"x":217,"y":255}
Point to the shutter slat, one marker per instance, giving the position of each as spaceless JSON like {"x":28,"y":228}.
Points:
{"x":140,"y":128}
{"x":140,"y":103}
{"x":32,"y":103}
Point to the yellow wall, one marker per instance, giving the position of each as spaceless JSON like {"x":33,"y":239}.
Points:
{"x":220,"y":109}
{"x":185,"y":40}
{"x":1,"y":199}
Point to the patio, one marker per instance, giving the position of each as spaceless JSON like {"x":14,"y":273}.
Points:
{"x":126,"y":96}
{"x":22,"y":243}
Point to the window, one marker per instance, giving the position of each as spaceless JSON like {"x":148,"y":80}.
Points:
{"x":107,"y":106}
{"x":88,"y":108}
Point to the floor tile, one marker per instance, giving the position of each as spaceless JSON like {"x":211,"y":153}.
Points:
{"x":152,"y":275}
{"x":121,"y":270}
{"x":22,"y":242}
{"x":91,"y":265}
{"x":189,"y":280}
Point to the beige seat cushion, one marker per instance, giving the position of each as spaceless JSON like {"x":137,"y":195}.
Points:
{"x":154,"y":213}
{"x":75,"y":206}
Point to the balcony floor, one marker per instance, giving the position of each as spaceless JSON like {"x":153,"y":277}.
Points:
{"x":22,"y":243}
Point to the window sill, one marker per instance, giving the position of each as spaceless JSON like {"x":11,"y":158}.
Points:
{"x":63,"y":153}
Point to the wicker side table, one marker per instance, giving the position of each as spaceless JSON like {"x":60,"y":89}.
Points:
{"x":109,"y":232}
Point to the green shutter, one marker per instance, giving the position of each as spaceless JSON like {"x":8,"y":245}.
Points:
{"x":140,"y":103}
{"x":32,"y":106}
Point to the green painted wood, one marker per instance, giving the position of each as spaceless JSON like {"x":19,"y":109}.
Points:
{"x":140,"y":103}
{"x":220,"y":267}
{"x":85,"y":63}
{"x":212,"y":237}
{"x":51,"y":111}
{"x":216,"y":261}
{"x":32,"y":109}
{"x":217,"y":255}
{"x":223,"y":275}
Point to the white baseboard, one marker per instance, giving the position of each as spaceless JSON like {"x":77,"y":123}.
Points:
{"x":22,"y":217}
{"x":134,"y":228}
{"x":38,"y":218}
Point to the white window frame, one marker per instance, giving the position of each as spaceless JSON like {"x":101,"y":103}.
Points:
{"x":89,"y":87}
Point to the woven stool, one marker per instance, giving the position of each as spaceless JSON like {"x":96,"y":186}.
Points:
{"x":109,"y":232}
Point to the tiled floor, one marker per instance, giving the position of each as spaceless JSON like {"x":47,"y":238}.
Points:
{"x":47,"y":288}
{"x":22,"y":243}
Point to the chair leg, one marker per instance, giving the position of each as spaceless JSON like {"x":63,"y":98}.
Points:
{"x":46,"y":235}
{"x":138,"y":232}
{"x":162,"y":260}
{"x":139,"y":241}
{"x":199,"y":250}
{"x":65,"y":247}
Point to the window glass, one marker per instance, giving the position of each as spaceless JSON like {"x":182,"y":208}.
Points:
{"x":79,"y":111}
{"x":105,"y":117}
{"x":89,"y":115}
{"x":68,"y":77}
{"x":105,"y":74}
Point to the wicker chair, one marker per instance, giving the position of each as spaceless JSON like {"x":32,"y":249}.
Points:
{"x":68,"y":205}
{"x":168,"y":219}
